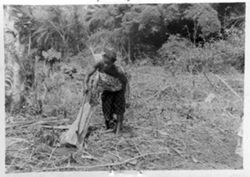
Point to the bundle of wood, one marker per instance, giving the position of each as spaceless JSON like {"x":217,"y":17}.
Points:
{"x":78,"y":130}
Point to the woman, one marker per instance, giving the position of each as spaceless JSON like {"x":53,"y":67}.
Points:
{"x":113,"y":101}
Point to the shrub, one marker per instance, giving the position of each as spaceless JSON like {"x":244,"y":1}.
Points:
{"x":175,"y":53}
{"x":215,"y":56}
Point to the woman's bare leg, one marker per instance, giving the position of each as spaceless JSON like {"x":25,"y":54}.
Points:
{"x":119,"y":123}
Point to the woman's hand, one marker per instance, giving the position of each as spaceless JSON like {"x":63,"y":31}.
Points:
{"x":86,"y":88}
{"x":88,"y":75}
{"x":127,"y":105}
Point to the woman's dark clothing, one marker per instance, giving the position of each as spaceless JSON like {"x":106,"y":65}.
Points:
{"x":112,"y":103}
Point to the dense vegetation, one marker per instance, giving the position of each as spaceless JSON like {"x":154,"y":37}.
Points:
{"x":135,"y":30}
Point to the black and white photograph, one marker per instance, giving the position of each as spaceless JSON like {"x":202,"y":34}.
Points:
{"x":112,"y":87}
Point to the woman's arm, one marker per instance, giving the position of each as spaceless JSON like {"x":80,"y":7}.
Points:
{"x":127,"y":94}
{"x":89,"y":74}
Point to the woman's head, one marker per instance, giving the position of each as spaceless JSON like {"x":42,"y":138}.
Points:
{"x":107,"y":61}
{"x":109,"y":56}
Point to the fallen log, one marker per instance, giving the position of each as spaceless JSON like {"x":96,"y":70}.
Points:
{"x":59,"y":127}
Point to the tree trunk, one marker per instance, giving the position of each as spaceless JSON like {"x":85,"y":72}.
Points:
{"x":29,"y":46}
{"x":129,"y":49}
{"x":195,"y":32}
{"x":35,"y":82}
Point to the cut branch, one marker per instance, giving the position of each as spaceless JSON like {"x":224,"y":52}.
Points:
{"x":230,"y":88}
{"x":105,"y":165}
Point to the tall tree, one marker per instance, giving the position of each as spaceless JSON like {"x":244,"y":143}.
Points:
{"x":231,"y":14}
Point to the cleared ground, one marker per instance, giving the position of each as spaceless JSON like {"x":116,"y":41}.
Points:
{"x":174,"y":122}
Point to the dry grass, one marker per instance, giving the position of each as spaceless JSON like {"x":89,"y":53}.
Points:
{"x":168,"y":126}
